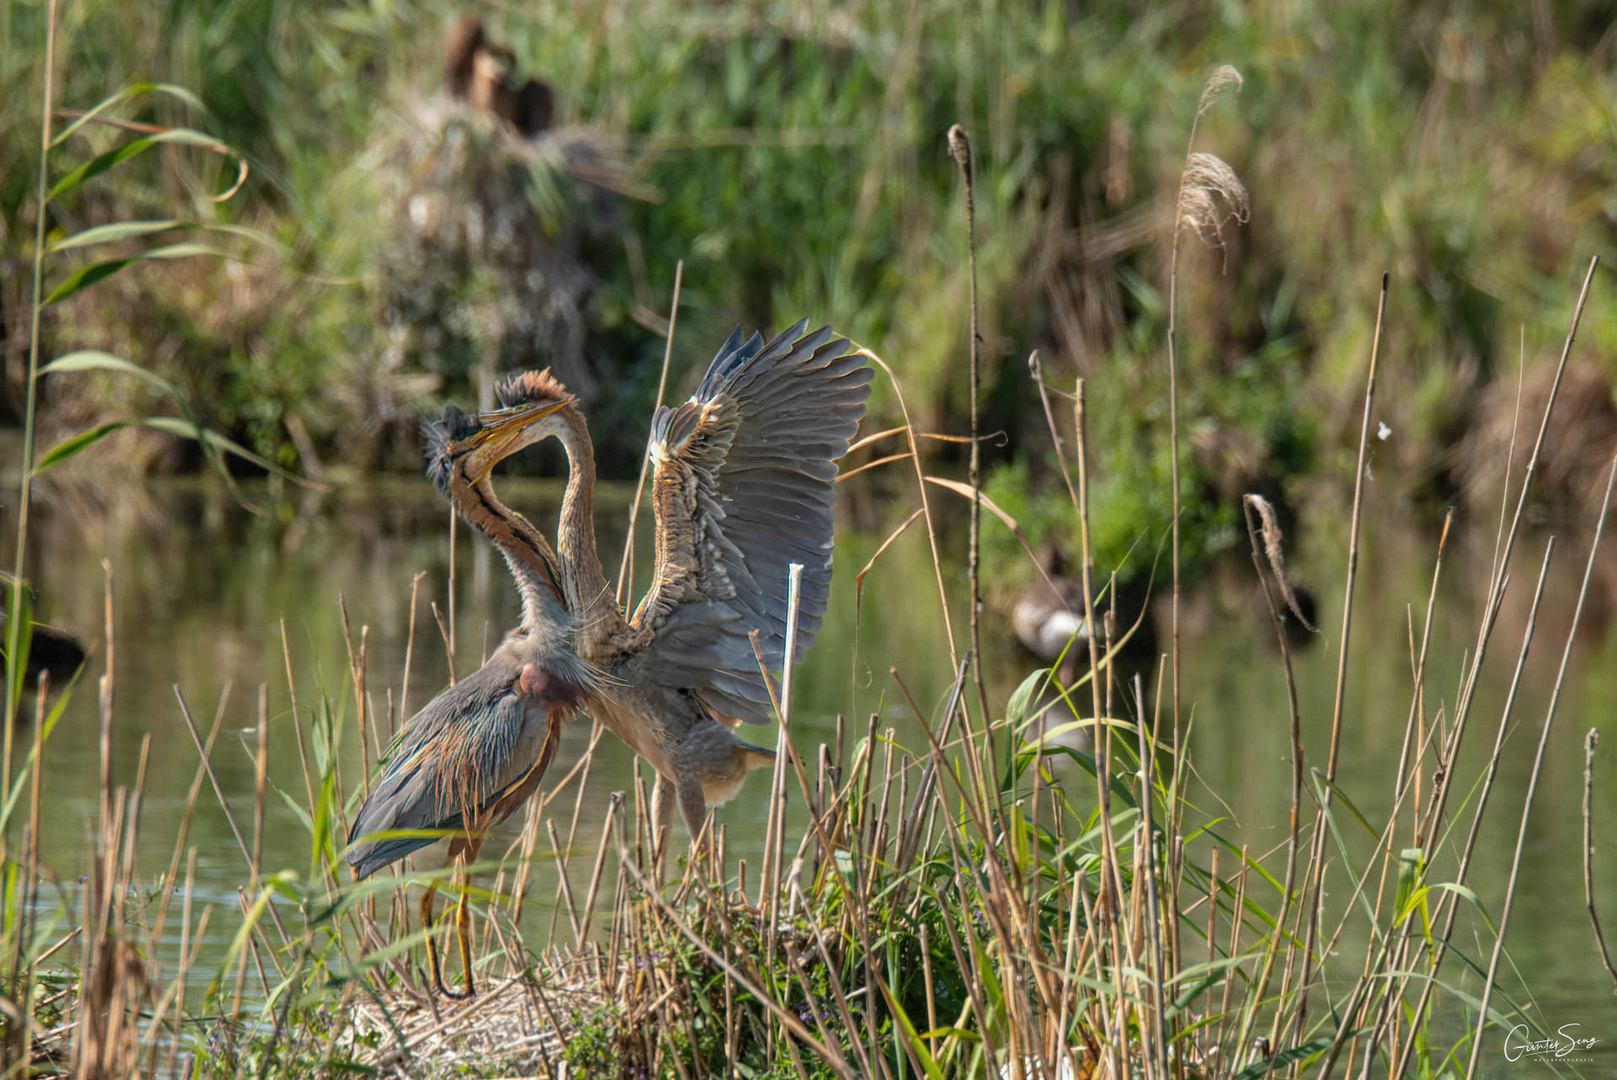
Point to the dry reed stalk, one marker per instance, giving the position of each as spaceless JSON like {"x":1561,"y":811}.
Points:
{"x":1503,"y":563}
{"x":926,"y":505}
{"x":1111,"y":870}
{"x":566,"y":886}
{"x":1532,"y":783}
{"x":1093,"y":956}
{"x":960,"y":148}
{"x":866,"y":1054}
{"x":1378,"y":960}
{"x":580,"y":771}
{"x":613,"y":807}
{"x":775,"y":831}
{"x":1194,"y":211}
{"x":911,"y":828}
{"x":1499,"y":576}
{"x":1416,"y":704}
{"x":1263,"y":526}
{"x":446,"y":632}
{"x":1395,"y":962}
{"x":527,"y":841}
{"x":356,"y":676}
{"x":1219,"y":1047}
{"x":252,"y":944}
{"x":297,"y":726}
{"x":106,"y":686}
{"x":260,"y":782}
{"x":409,"y":654}
{"x":1071,"y":964}
{"x":1036,"y":370}
{"x":1590,"y":741}
{"x":1314,"y":878}
{"x":794,"y":964}
{"x":626,"y":565}
{"x":19,"y":1033}
{"x":1148,"y":842}
{"x":1500,"y":572}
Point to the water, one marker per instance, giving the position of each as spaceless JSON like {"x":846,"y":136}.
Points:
{"x":201,"y":588}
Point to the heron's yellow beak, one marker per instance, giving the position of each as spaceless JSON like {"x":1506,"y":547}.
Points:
{"x":503,"y":428}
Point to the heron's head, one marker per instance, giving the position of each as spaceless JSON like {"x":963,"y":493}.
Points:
{"x":531,"y":404}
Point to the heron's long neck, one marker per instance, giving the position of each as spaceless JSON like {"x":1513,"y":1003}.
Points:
{"x":527,"y":553}
{"x":588,"y":594}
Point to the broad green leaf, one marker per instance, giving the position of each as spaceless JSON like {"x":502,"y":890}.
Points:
{"x":69,"y":447}
{"x":322,"y":847}
{"x":95,"y":360}
{"x":117,"y":230}
{"x":212,"y":440}
{"x":86,"y":276}
{"x":1278,"y":1063}
{"x":917,"y":1045}
{"x":1016,"y":710}
{"x":132,"y":91}
{"x":47,"y":726}
{"x":134,"y":148}
{"x":292,"y":804}
{"x":189,"y":427}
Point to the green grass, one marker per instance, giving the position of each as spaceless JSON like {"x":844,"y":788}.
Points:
{"x":796,"y":162}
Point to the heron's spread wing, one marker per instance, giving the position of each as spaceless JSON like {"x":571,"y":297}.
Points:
{"x":456,"y":759}
{"x":743,"y":486}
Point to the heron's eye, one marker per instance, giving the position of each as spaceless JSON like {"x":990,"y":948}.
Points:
{"x":457,"y":424}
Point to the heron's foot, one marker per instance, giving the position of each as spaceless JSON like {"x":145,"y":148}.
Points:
{"x":438,"y":975}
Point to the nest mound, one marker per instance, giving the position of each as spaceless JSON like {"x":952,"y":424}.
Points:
{"x":488,"y":267}
{"x":521,"y":1024}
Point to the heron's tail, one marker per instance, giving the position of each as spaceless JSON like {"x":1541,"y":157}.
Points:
{"x":755,"y":757}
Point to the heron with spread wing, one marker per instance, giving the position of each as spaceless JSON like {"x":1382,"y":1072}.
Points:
{"x":742,"y":486}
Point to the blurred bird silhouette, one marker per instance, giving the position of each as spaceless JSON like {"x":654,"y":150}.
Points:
{"x":480,"y":73}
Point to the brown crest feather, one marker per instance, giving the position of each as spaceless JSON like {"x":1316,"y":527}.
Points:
{"x":530,"y":387}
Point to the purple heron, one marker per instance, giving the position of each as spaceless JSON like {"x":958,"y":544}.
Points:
{"x":742,"y":486}
{"x":474,"y":754}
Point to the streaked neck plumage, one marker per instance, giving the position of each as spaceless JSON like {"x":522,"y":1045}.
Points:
{"x":588,"y":593}
{"x":532,"y":561}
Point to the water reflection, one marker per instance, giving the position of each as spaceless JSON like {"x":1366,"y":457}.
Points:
{"x":202,"y":589}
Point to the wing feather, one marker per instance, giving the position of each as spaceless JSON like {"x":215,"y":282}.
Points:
{"x":460,"y":754}
{"x":742,"y":487}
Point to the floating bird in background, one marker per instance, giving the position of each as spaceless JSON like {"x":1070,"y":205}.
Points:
{"x":1050,"y":615}
{"x":742,"y":486}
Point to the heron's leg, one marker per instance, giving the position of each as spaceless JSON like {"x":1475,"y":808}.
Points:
{"x":662,"y":819}
{"x":463,"y":913}
{"x":432,"y":945}
{"x":692,"y":807}
{"x":456,"y":847}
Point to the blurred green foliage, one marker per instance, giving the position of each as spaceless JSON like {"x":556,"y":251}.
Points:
{"x":792,"y":153}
